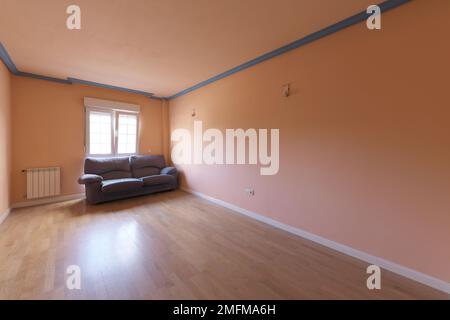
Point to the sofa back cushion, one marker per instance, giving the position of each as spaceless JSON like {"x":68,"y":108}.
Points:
{"x":144,"y":166}
{"x":108,"y":168}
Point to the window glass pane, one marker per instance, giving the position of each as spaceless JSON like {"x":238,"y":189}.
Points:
{"x":100,"y":133}
{"x":127,"y":133}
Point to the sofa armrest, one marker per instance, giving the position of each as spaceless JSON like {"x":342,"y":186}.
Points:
{"x":169,"y":170}
{"x":89,"y":178}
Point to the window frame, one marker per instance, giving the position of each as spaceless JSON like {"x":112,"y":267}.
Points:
{"x":114,"y":131}
{"x":117,"y":113}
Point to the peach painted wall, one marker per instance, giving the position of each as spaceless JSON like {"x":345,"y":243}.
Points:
{"x":364,"y":137}
{"x":48,"y":124}
{"x":5,"y":137}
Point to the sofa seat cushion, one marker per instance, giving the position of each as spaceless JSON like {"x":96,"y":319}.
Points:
{"x":158,"y":179}
{"x":117,"y":185}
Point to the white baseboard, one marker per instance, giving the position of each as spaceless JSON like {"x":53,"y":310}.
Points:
{"x":4,"y":215}
{"x":39,"y":202}
{"x":388,"y":265}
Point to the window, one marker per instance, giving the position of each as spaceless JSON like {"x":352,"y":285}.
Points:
{"x":100,"y":132}
{"x":127,"y":133}
{"x":111,"y":132}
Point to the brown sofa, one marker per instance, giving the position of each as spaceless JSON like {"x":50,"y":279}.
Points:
{"x":107,"y":179}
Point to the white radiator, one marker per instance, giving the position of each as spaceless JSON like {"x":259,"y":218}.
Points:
{"x":43,"y":182}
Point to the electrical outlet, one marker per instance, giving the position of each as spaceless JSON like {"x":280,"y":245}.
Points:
{"x":250,"y":192}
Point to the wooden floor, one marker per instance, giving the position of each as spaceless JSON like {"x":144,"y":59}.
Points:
{"x":175,"y":246}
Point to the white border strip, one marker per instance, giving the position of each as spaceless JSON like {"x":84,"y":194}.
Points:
{"x":388,"y":265}
{"x":4,"y":215}
{"x":47,"y":200}
{"x":114,"y":105}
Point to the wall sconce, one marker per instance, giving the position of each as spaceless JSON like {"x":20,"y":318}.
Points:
{"x":193,"y":114}
{"x":287,"y":90}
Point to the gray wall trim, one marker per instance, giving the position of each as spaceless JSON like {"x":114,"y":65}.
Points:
{"x":362,"y":16}
{"x":4,"y":56}
{"x":107,"y":86}
{"x":39,"y":77}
